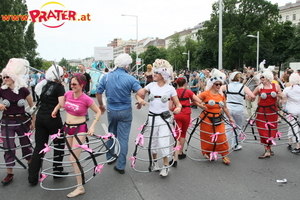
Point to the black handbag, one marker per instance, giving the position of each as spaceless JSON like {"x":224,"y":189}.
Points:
{"x":215,"y":120}
{"x":165,"y":115}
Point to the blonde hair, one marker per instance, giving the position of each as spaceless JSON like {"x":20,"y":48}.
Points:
{"x":237,"y":77}
{"x":149,"y":67}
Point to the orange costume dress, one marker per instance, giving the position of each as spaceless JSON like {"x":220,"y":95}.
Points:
{"x":212,"y":134}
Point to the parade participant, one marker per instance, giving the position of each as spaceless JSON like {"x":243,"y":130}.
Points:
{"x":149,"y":74}
{"x":49,"y":90}
{"x":251,"y":82}
{"x":267,"y":115}
{"x":76,"y":104}
{"x":118,"y":86}
{"x":235,"y":93}
{"x":86,"y":89}
{"x":194,"y":86}
{"x":291,"y":96}
{"x":34,"y":78}
{"x":184,"y":117}
{"x":212,"y":127}
{"x":15,"y":120}
{"x":159,"y":116}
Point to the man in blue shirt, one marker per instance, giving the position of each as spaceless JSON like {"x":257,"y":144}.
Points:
{"x":118,"y":86}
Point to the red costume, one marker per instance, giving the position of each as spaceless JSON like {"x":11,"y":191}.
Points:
{"x":184,"y":117}
{"x":266,"y":118}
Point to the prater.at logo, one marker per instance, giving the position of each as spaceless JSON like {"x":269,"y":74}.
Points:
{"x":54,"y":18}
{"x":51,"y":18}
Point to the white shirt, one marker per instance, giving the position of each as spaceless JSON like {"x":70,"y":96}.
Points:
{"x":292,"y":93}
{"x":156,"y":105}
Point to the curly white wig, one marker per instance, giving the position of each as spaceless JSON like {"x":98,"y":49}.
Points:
{"x":52,"y":74}
{"x":294,"y":79}
{"x":123,"y":60}
{"x":266,"y":72}
{"x":215,"y":76}
{"x":164,"y":68}
{"x":15,"y":68}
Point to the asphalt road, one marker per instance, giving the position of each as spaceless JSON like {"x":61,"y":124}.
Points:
{"x":247,"y":177}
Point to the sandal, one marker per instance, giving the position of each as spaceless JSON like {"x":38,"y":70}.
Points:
{"x":206,"y":156}
{"x":295,"y":151}
{"x":226,"y":160}
{"x":267,"y":154}
{"x":76,"y":192}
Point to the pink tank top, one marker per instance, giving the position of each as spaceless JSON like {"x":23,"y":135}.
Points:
{"x":79,"y":106}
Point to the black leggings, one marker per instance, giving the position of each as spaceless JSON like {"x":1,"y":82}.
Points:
{"x":44,"y":128}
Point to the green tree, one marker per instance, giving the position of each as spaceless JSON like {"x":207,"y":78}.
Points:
{"x":12,"y":32}
{"x":30,"y":45}
{"x":38,"y":63}
{"x":294,"y":48}
{"x":151,"y":54}
{"x":191,"y":45}
{"x":240,"y":18}
{"x":64,"y":63}
{"x":175,"y":50}
{"x":46,"y":65}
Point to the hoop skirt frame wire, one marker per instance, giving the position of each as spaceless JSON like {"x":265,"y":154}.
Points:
{"x":193,"y":142}
{"x":89,"y":161}
{"x":141,"y":160}
{"x":17,"y":160}
{"x":285,"y":122}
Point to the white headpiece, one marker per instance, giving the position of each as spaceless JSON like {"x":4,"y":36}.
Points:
{"x":123,"y":60}
{"x":15,"y":68}
{"x":266,"y":72}
{"x":164,"y":68}
{"x":232,"y":76}
{"x":52,"y":74}
{"x":215,"y":76}
{"x":294,"y":79}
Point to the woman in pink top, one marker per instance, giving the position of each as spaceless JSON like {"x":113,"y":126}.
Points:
{"x":76,"y":104}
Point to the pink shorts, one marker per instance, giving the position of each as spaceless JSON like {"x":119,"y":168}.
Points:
{"x":70,"y":129}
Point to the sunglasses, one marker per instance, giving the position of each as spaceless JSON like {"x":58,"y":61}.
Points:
{"x":74,"y":84}
{"x":156,"y":72}
{"x":4,"y":77}
{"x":262,"y":77}
{"x":218,"y":84}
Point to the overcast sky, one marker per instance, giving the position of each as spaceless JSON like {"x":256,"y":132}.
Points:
{"x":156,"y":18}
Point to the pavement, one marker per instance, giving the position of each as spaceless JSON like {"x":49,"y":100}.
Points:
{"x":246,"y":178}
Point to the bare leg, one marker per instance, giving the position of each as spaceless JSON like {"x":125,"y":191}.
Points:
{"x":73,"y":142}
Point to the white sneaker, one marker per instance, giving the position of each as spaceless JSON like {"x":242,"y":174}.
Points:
{"x":155,"y":167}
{"x":239,"y":147}
{"x":165,"y":171}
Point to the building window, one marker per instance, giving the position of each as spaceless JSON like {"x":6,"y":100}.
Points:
{"x":294,"y":16}
{"x":287,"y":17}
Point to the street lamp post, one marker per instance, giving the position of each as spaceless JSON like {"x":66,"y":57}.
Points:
{"x":188,"y":61}
{"x":257,"y":51}
{"x":137,"y":32}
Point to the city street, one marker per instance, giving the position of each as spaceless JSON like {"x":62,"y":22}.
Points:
{"x":247,"y":177}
